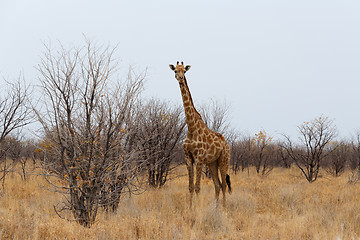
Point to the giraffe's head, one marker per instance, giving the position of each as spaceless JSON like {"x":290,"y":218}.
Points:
{"x":180,"y":71}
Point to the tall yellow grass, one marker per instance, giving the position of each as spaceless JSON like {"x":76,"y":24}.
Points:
{"x":282,"y":205}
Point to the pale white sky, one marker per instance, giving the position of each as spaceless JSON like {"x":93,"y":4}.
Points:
{"x":277,"y":63}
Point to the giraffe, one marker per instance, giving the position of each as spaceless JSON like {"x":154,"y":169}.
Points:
{"x":202,"y":145}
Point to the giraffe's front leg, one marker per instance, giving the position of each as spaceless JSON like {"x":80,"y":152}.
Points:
{"x":190,"y":168}
{"x":199,"y":167}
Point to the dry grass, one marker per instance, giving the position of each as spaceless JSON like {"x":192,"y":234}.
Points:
{"x":280,"y":206}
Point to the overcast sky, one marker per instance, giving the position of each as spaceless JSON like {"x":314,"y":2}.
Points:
{"x":277,"y":63}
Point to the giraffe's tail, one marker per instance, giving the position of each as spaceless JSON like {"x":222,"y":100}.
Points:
{"x":228,"y":182}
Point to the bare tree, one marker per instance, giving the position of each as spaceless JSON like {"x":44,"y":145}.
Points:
{"x":241,"y":154}
{"x":262,"y":152}
{"x":309,"y":153}
{"x":159,"y":131}
{"x":15,"y":113}
{"x":10,"y":153}
{"x":216,"y":116}
{"x":84,"y":116}
{"x":355,"y":157}
{"x":27,"y":154}
{"x":281,"y":153}
{"x":339,"y":155}
{"x":17,"y":153}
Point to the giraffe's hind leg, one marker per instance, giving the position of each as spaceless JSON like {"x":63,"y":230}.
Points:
{"x":213,"y":167}
{"x":224,"y":161}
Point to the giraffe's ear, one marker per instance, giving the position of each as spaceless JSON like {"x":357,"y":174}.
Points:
{"x":172,"y":67}
{"x":187,"y":67}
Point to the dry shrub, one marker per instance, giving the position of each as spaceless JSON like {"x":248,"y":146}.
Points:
{"x":353,"y":177}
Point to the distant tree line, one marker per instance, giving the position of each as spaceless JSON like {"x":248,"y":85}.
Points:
{"x":316,"y":148}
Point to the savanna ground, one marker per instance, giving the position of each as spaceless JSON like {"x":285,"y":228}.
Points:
{"x":282,"y":205}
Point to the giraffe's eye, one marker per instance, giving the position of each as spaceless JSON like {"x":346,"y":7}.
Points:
{"x":175,"y":71}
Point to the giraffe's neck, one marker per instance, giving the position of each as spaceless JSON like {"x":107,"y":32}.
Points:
{"x":192,"y":116}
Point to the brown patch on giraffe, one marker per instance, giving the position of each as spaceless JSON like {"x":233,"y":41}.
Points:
{"x":185,"y":98}
{"x":219,"y":135}
{"x":212,"y":149}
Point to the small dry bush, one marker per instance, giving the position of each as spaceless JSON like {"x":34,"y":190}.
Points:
{"x":282,"y":205}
